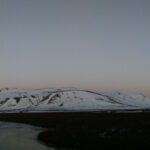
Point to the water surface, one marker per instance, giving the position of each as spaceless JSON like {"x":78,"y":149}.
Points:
{"x":14,"y":136}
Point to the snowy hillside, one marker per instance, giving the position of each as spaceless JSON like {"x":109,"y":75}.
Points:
{"x":67,"y":99}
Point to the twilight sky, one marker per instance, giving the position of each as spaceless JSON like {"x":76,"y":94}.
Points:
{"x":101,"y":45}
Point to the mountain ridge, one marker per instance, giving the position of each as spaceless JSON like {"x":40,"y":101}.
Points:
{"x":68,"y":99}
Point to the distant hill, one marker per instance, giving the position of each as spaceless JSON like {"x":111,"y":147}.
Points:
{"x":68,"y":99}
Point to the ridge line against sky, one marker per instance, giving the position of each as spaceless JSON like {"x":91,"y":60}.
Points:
{"x":101,"y":45}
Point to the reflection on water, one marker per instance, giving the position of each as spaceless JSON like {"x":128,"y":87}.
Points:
{"x":15,"y":136}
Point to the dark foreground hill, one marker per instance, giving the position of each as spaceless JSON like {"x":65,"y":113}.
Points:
{"x":89,"y":130}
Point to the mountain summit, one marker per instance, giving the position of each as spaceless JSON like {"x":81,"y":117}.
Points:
{"x":68,"y":99}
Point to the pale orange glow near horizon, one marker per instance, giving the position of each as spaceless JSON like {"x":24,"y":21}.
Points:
{"x":97,"y":45}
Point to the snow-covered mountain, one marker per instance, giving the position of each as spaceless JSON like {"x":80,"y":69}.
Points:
{"x":68,"y":99}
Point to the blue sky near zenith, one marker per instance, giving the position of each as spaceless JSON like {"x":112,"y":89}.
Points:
{"x":101,"y":45}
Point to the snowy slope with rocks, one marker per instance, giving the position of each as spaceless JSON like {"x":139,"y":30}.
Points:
{"x":68,"y":99}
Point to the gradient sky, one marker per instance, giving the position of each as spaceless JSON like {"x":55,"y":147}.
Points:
{"x":101,"y":45}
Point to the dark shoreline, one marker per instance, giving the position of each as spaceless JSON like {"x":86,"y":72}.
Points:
{"x":92,"y":118}
{"x":89,"y":130}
